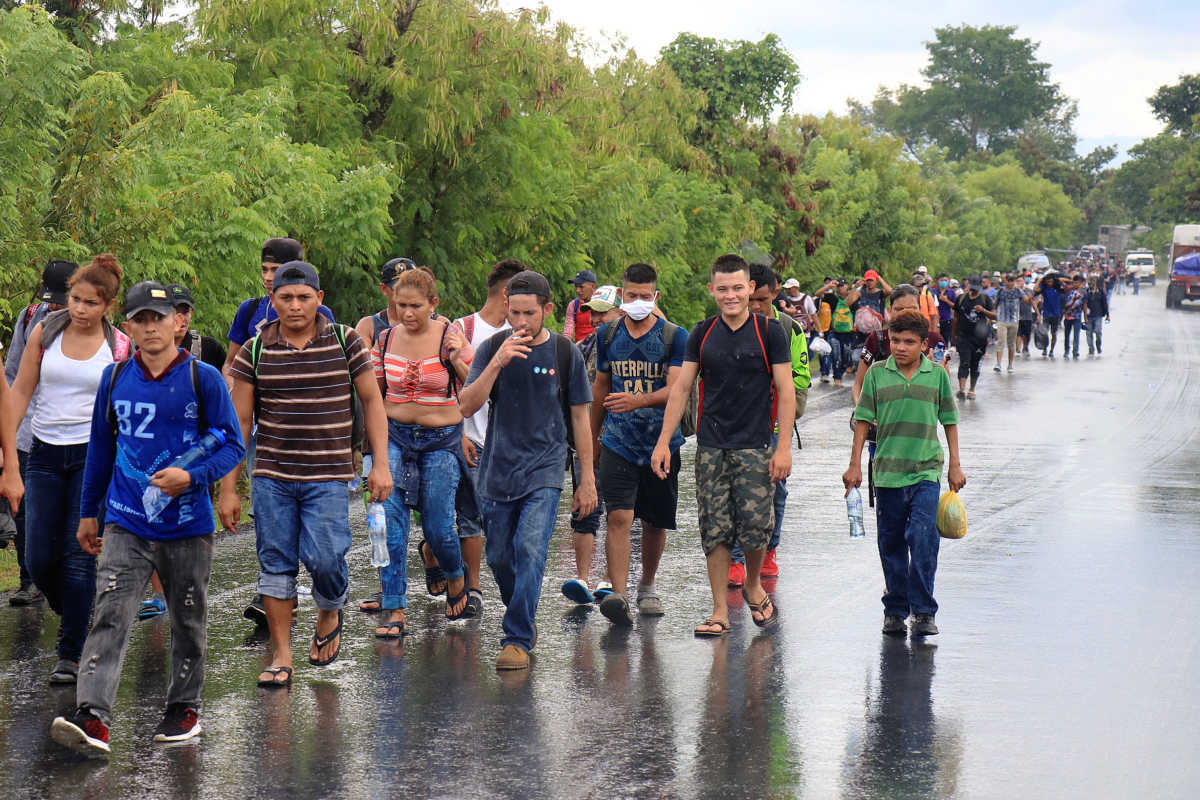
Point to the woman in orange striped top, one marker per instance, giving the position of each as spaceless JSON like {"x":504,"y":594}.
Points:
{"x":419,"y":365}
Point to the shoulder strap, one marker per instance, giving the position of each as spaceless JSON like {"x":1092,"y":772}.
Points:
{"x":668,"y":337}
{"x":256,"y":348}
{"x":761,"y":346}
{"x":451,"y":375}
{"x":53,"y":324}
{"x":201,"y":417}
{"x":562,"y":355}
{"x":700,"y":350}
{"x":469,"y":326}
{"x":494,"y":341}
{"x":30,"y":312}
{"x":610,"y":332}
{"x":194,"y":348}
{"x":118,"y":368}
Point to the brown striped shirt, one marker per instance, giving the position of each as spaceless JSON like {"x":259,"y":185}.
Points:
{"x":303,"y":403}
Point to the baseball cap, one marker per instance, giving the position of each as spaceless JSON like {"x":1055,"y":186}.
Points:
{"x":923,"y":270}
{"x":54,"y":281}
{"x":530,"y":282}
{"x":791,"y":283}
{"x":180,"y":295}
{"x":919,"y":278}
{"x":975,"y":282}
{"x":281,"y":251}
{"x":296,"y":273}
{"x":583,"y":276}
{"x":870,"y":275}
{"x":392,"y":269}
{"x":603,"y":299}
{"x":148,"y":296}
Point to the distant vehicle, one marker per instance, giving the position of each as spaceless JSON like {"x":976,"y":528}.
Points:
{"x":1185,"y":265}
{"x":1033,"y":262}
{"x":1140,"y":266}
{"x":1093,"y":251}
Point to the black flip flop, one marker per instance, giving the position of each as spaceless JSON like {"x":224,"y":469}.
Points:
{"x":708,"y":623}
{"x":274,"y":684}
{"x":372,"y":604}
{"x":396,"y":629}
{"x":433,"y":574}
{"x":459,"y":598}
{"x":321,"y":641}
{"x":761,"y":608}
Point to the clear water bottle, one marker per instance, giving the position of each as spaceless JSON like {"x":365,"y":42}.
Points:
{"x":854,"y":513}
{"x":939,"y":352}
{"x":154,"y":499}
{"x":377,"y":533}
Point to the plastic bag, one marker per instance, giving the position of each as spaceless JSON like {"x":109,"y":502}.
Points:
{"x":951,"y":516}
{"x":820,"y":347}
{"x":1041,"y":336}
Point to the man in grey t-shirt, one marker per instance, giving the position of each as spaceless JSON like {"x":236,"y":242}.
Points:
{"x":1009,"y":300}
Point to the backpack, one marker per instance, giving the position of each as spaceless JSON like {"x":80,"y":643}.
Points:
{"x":201,"y":417}
{"x":358,"y":425}
{"x":687,"y":425}
{"x":564,"y":362}
{"x":452,"y":381}
{"x":698,"y":389}
{"x":806,"y":320}
{"x":194,"y":344}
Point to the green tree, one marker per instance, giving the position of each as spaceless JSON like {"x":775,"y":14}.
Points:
{"x":1178,"y":104}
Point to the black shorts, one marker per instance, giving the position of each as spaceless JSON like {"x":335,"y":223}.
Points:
{"x":624,"y":485}
{"x":1025,"y":329}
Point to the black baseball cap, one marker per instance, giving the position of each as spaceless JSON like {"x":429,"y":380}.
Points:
{"x":180,"y":296}
{"x":281,"y":251}
{"x":975,"y":282}
{"x":148,"y":296}
{"x":296,"y":273}
{"x":392,"y":269}
{"x":54,"y":281}
{"x":529,"y":282}
{"x":583,"y":276}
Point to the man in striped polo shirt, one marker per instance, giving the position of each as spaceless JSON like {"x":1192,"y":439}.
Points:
{"x":295,"y":376}
{"x":906,"y":397}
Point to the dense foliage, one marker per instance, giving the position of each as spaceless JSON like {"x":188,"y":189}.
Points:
{"x":458,"y":134}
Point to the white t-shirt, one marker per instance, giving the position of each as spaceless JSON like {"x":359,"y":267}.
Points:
{"x":475,"y":426}
{"x":66,"y":393}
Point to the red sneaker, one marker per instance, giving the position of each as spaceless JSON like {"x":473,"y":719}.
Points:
{"x":769,"y":568}
{"x":82,"y":731}
{"x":737,"y":575}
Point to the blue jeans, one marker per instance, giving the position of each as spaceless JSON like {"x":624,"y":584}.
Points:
{"x":1136,"y":283}
{"x":1095,"y":330}
{"x":780,"y":502}
{"x":466,"y":512}
{"x":439,"y":482}
{"x":843,"y":352}
{"x":65,"y":574}
{"x":19,"y":521}
{"x":518,"y":540}
{"x":1071,"y":328}
{"x":908,"y":546}
{"x":303,"y":521}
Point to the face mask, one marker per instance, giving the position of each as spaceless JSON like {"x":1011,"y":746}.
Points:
{"x":942,"y":284}
{"x":638,"y":310}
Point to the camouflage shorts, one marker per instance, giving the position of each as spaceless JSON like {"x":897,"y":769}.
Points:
{"x":734,"y":496}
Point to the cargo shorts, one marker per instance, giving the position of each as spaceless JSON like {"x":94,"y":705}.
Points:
{"x":734,"y":496}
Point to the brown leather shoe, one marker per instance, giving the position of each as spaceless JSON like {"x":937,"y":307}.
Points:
{"x":512,"y":657}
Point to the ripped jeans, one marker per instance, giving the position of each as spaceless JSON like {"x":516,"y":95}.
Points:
{"x":184,"y":565}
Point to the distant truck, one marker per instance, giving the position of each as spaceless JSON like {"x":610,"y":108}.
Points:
{"x":1140,"y":266}
{"x":1185,"y":265}
{"x":1033,"y":263}
{"x":1093,"y":251}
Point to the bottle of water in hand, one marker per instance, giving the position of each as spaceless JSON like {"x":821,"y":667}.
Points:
{"x":377,"y":534}
{"x":854,"y":512}
{"x":154,"y":499}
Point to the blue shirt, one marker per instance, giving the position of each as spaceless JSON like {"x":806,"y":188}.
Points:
{"x":1052,"y":299}
{"x":526,"y":435}
{"x":157,"y":421}
{"x":638,"y":366}
{"x":256,"y":312}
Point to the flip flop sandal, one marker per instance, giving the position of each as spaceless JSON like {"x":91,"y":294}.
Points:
{"x":272,"y":683}
{"x":397,"y":629}
{"x":768,"y":620}
{"x":433,"y":574}
{"x":708,"y":623}
{"x":322,"y":641}
{"x":461,"y":597}
{"x":372,"y":604}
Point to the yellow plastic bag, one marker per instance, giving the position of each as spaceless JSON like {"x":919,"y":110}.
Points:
{"x":951,"y":516}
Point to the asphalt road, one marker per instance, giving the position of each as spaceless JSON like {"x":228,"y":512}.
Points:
{"x":1066,"y":667}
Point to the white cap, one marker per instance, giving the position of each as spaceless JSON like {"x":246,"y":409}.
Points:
{"x":791,"y":283}
{"x":921,"y":269}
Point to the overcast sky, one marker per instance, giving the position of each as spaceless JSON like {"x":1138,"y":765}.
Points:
{"x":1110,"y":55}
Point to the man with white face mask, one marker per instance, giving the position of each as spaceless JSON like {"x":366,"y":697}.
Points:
{"x":637,"y":359}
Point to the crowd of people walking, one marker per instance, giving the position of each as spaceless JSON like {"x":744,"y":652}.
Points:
{"x":114,"y":437}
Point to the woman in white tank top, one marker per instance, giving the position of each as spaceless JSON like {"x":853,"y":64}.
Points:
{"x":63,"y":361}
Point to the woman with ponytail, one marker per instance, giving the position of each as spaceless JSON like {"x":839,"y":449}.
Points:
{"x":62,"y":363}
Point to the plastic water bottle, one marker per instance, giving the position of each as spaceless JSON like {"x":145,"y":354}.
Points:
{"x":939,"y":352}
{"x":377,"y":533}
{"x":854,"y":512}
{"x":154,"y":499}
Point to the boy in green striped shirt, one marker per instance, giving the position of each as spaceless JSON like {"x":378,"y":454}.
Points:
{"x":906,"y":397}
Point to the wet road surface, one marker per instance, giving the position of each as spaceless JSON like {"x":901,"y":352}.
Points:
{"x":1066,"y":666}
